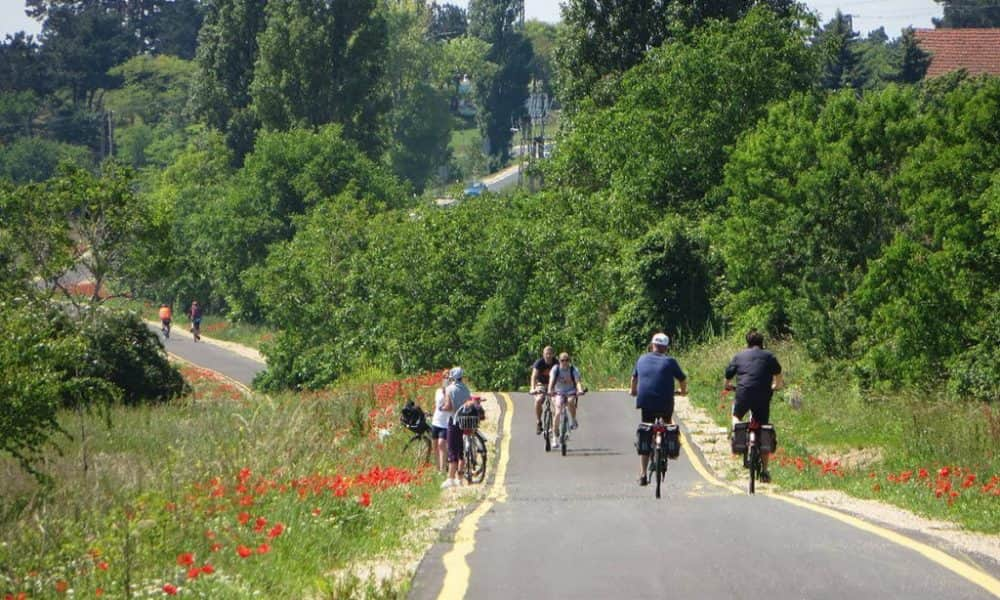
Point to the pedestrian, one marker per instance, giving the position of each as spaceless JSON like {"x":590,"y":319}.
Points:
{"x":456,"y":394}
{"x":439,"y":422}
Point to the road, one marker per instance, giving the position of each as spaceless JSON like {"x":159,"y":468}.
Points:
{"x":580,"y":527}
{"x":210,"y":355}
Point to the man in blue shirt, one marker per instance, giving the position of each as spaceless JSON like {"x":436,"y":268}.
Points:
{"x":653,"y":388}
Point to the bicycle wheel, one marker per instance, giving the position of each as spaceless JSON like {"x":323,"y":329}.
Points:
{"x":564,"y":430}
{"x":547,"y":428}
{"x":754,"y":465}
{"x":470,"y":458}
{"x":656,"y":458}
{"x":479,"y":449}
{"x":417,"y":451}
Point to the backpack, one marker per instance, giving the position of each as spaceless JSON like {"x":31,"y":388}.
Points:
{"x":413,"y":418}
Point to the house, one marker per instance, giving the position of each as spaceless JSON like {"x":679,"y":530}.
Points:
{"x":975,"y":50}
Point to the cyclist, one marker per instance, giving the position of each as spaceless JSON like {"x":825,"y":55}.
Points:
{"x":653,"y":388}
{"x":759,"y":375}
{"x":540,"y":382}
{"x":439,"y":422}
{"x":195,"y":315}
{"x":455,"y":395}
{"x":166,"y":314}
{"x":564,"y":379}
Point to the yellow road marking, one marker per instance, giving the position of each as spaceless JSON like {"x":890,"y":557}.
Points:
{"x":966,"y":571}
{"x":456,"y":577}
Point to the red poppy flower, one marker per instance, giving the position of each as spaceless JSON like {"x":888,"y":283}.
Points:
{"x":260,"y":524}
{"x":186,"y":559}
{"x":207,"y":569}
{"x":215,"y":547}
{"x":102,"y":566}
{"x":194,"y":572}
{"x":243,"y":551}
{"x":316,"y":512}
{"x":944,"y":472}
{"x":99,"y":592}
{"x":263,"y":548}
{"x":243,"y":518}
{"x":62,"y":586}
{"x":169,"y":589}
{"x":365,"y":499}
{"x":276,"y":531}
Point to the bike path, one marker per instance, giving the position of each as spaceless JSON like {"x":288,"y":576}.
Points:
{"x":209,"y":355}
{"x":581,"y":527}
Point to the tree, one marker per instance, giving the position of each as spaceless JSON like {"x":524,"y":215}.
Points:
{"x":501,"y":97}
{"x":34,"y":159}
{"x":23,"y":67}
{"x":82,"y":46}
{"x":837,"y":43}
{"x":227,"y":52}
{"x":913,"y":60}
{"x":601,"y":39}
{"x":323,"y":62}
{"x":447,"y":22}
{"x":543,"y":40}
{"x":969,"y":13}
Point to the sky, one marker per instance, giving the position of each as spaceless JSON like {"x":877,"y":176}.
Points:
{"x":894,"y":15}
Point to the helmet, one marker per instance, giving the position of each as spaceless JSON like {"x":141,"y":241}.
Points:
{"x":661,"y":339}
{"x":457,"y":373}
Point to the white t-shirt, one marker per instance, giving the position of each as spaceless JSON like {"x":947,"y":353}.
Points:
{"x":563,"y":379}
{"x":441,"y":416}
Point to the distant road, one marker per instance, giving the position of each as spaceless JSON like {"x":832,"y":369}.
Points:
{"x":210,"y":354}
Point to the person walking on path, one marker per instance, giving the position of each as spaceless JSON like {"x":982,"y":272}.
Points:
{"x":439,"y":422}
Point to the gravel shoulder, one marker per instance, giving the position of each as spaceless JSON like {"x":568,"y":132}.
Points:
{"x":713,"y":442}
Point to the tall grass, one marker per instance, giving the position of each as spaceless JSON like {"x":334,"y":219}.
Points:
{"x":159,"y":500}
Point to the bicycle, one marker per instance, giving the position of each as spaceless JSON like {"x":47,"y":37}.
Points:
{"x":753,"y":439}
{"x":665,"y":445}
{"x":417,"y":451}
{"x":473,"y":447}
{"x":546,"y":419}
{"x":564,"y":419}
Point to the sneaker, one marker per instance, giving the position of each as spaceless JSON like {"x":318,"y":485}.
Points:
{"x":643,"y":480}
{"x":574,"y":425}
{"x":448,"y":483}
{"x":555,"y":443}
{"x":538,"y":428}
{"x":765,"y":477}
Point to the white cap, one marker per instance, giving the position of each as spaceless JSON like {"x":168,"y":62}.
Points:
{"x":661,"y":339}
{"x":457,"y":373}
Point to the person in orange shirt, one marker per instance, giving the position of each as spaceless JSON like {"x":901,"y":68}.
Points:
{"x":166,"y":314}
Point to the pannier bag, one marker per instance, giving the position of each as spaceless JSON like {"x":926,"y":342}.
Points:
{"x":467,"y":417}
{"x":413,"y":418}
{"x":672,"y":440}
{"x":767,"y":438}
{"x":740,"y":437}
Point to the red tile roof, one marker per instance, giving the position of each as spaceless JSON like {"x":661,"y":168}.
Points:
{"x":975,"y":50}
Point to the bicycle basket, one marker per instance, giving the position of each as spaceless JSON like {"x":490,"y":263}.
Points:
{"x":466,"y":422}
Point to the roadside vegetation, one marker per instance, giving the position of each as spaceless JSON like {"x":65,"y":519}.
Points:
{"x":219,"y":495}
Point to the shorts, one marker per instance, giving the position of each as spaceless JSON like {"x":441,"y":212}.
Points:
{"x":559,"y":398}
{"x":759,"y":407}
{"x":454,"y":442}
{"x":166,"y":322}
{"x":648,"y":415}
{"x":439,"y":433}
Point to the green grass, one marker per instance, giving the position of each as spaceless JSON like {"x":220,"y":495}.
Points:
{"x":159,"y":491}
{"x":212,"y":326}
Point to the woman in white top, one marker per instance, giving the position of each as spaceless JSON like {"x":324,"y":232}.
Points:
{"x":439,"y":423}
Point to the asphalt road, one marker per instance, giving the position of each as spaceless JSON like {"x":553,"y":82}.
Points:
{"x":580,"y":527}
{"x":210,"y":356}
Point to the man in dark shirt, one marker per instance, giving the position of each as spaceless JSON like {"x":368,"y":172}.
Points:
{"x":653,"y":388}
{"x":540,"y":381}
{"x":759,"y":375}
